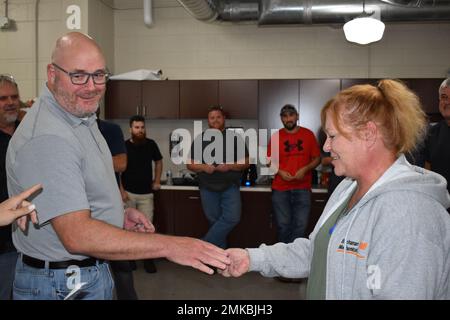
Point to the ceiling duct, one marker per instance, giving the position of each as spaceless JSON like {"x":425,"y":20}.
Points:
{"x":276,"y":12}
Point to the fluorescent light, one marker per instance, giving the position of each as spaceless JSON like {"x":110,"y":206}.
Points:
{"x":364,"y":30}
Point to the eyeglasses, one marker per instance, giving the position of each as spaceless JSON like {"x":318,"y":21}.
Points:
{"x":81,"y":78}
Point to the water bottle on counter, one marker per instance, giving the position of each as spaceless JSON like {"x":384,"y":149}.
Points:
{"x":169,"y":181}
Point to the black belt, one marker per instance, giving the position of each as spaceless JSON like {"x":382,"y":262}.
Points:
{"x":40,"y":264}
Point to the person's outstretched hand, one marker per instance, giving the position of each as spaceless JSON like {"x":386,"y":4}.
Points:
{"x":17,"y":208}
{"x":135,"y":220}
{"x":240,"y":263}
{"x":196,"y":253}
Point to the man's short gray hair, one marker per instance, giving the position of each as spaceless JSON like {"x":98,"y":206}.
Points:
{"x":444,"y":84}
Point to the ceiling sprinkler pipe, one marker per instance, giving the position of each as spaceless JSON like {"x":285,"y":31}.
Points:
{"x":148,"y":14}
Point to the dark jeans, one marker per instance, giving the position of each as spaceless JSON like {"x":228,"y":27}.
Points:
{"x":7,"y":268}
{"x":223,"y":211}
{"x":291,"y":209}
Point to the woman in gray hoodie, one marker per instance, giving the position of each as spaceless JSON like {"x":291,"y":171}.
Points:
{"x":385,"y":231}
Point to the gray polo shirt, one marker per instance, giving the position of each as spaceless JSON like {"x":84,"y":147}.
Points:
{"x":71,"y":159}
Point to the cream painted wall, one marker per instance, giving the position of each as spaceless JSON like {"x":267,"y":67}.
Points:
{"x":185,"y":48}
{"x":17,"y":44}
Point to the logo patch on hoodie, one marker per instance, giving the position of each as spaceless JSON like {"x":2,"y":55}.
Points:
{"x":356,"y":248}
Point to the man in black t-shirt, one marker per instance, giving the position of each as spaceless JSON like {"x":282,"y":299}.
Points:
{"x":138,"y":182}
{"x":437,"y":143}
{"x":9,"y":112}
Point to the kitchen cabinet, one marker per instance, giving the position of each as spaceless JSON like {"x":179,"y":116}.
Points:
{"x":347,"y":83}
{"x":179,"y":212}
{"x":150,"y":99}
{"x":257,"y":225}
{"x":196,"y":96}
{"x":428,"y":92}
{"x":318,"y":201}
{"x":239,"y":98}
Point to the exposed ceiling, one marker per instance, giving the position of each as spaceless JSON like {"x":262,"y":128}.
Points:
{"x":278,"y":12}
{"x":273,"y":12}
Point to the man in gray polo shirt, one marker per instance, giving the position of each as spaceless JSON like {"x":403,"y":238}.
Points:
{"x":80,"y":210}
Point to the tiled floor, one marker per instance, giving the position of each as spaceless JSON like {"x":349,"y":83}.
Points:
{"x":174,"y":282}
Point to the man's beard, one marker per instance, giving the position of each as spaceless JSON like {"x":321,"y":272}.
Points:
{"x":11,"y":118}
{"x":289,"y":126}
{"x":138,"y":138}
{"x":69,"y":101}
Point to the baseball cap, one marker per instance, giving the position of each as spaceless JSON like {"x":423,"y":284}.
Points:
{"x":289,"y":108}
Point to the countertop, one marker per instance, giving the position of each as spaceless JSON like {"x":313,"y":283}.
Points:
{"x":257,"y":188}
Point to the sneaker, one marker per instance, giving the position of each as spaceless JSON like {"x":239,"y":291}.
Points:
{"x":149,"y":266}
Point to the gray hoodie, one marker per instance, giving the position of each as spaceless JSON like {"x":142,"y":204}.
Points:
{"x":397,"y":235}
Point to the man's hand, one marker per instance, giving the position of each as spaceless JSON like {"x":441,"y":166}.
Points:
{"x":300,"y":174}
{"x":156,"y":186}
{"x":124,"y":195}
{"x":222,"y":167}
{"x":240,"y":263}
{"x":285,"y":175}
{"x":196,"y":253}
{"x":135,"y":220}
{"x":18,"y":208}
{"x":208,"y":168}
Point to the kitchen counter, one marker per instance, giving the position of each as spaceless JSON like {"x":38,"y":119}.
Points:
{"x":257,"y":188}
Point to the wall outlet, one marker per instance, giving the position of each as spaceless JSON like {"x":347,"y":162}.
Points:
{"x":4,"y":22}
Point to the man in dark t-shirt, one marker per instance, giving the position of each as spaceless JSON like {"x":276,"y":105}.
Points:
{"x":9,"y":111}
{"x":437,"y":143}
{"x":138,"y":182}
{"x":219,"y":176}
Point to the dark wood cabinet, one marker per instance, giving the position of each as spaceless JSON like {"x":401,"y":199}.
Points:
{"x":239,"y":98}
{"x":318,"y":201}
{"x":189,"y":219}
{"x":180,"y":213}
{"x":122,"y":99}
{"x":257,"y":225}
{"x":161,"y":99}
{"x":428,"y":92}
{"x":150,"y":99}
{"x":196,"y":96}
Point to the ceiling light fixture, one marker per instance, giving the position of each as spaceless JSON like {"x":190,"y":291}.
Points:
{"x":364,"y":29}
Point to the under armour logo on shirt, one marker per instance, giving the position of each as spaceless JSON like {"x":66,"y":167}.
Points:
{"x":289,"y":147}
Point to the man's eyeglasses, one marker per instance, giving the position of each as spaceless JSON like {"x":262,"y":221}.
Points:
{"x":81,"y":78}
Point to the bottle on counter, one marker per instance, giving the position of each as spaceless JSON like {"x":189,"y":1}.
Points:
{"x":169,"y":181}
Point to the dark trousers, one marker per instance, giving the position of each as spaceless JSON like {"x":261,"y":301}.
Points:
{"x":123,"y":280}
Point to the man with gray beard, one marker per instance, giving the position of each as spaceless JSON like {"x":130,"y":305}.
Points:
{"x":9,"y":111}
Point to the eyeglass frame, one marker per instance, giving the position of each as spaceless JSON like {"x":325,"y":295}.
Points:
{"x":106,"y":73}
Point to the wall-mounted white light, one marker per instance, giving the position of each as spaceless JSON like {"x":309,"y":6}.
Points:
{"x":364,"y":29}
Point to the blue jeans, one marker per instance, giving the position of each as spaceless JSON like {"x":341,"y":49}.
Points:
{"x":7,"y":267}
{"x":223,"y":211}
{"x":291,"y":209}
{"x":51,"y":284}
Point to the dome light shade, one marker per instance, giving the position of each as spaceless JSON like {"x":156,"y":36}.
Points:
{"x":364,"y":30}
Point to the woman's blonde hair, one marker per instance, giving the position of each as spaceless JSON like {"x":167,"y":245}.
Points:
{"x":394,"y":108}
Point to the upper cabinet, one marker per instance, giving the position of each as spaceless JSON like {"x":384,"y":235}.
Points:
{"x":239,"y":98}
{"x":428,"y":92}
{"x":196,"y":96}
{"x":150,"y":99}
{"x":161,"y":99}
{"x":122,"y":99}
